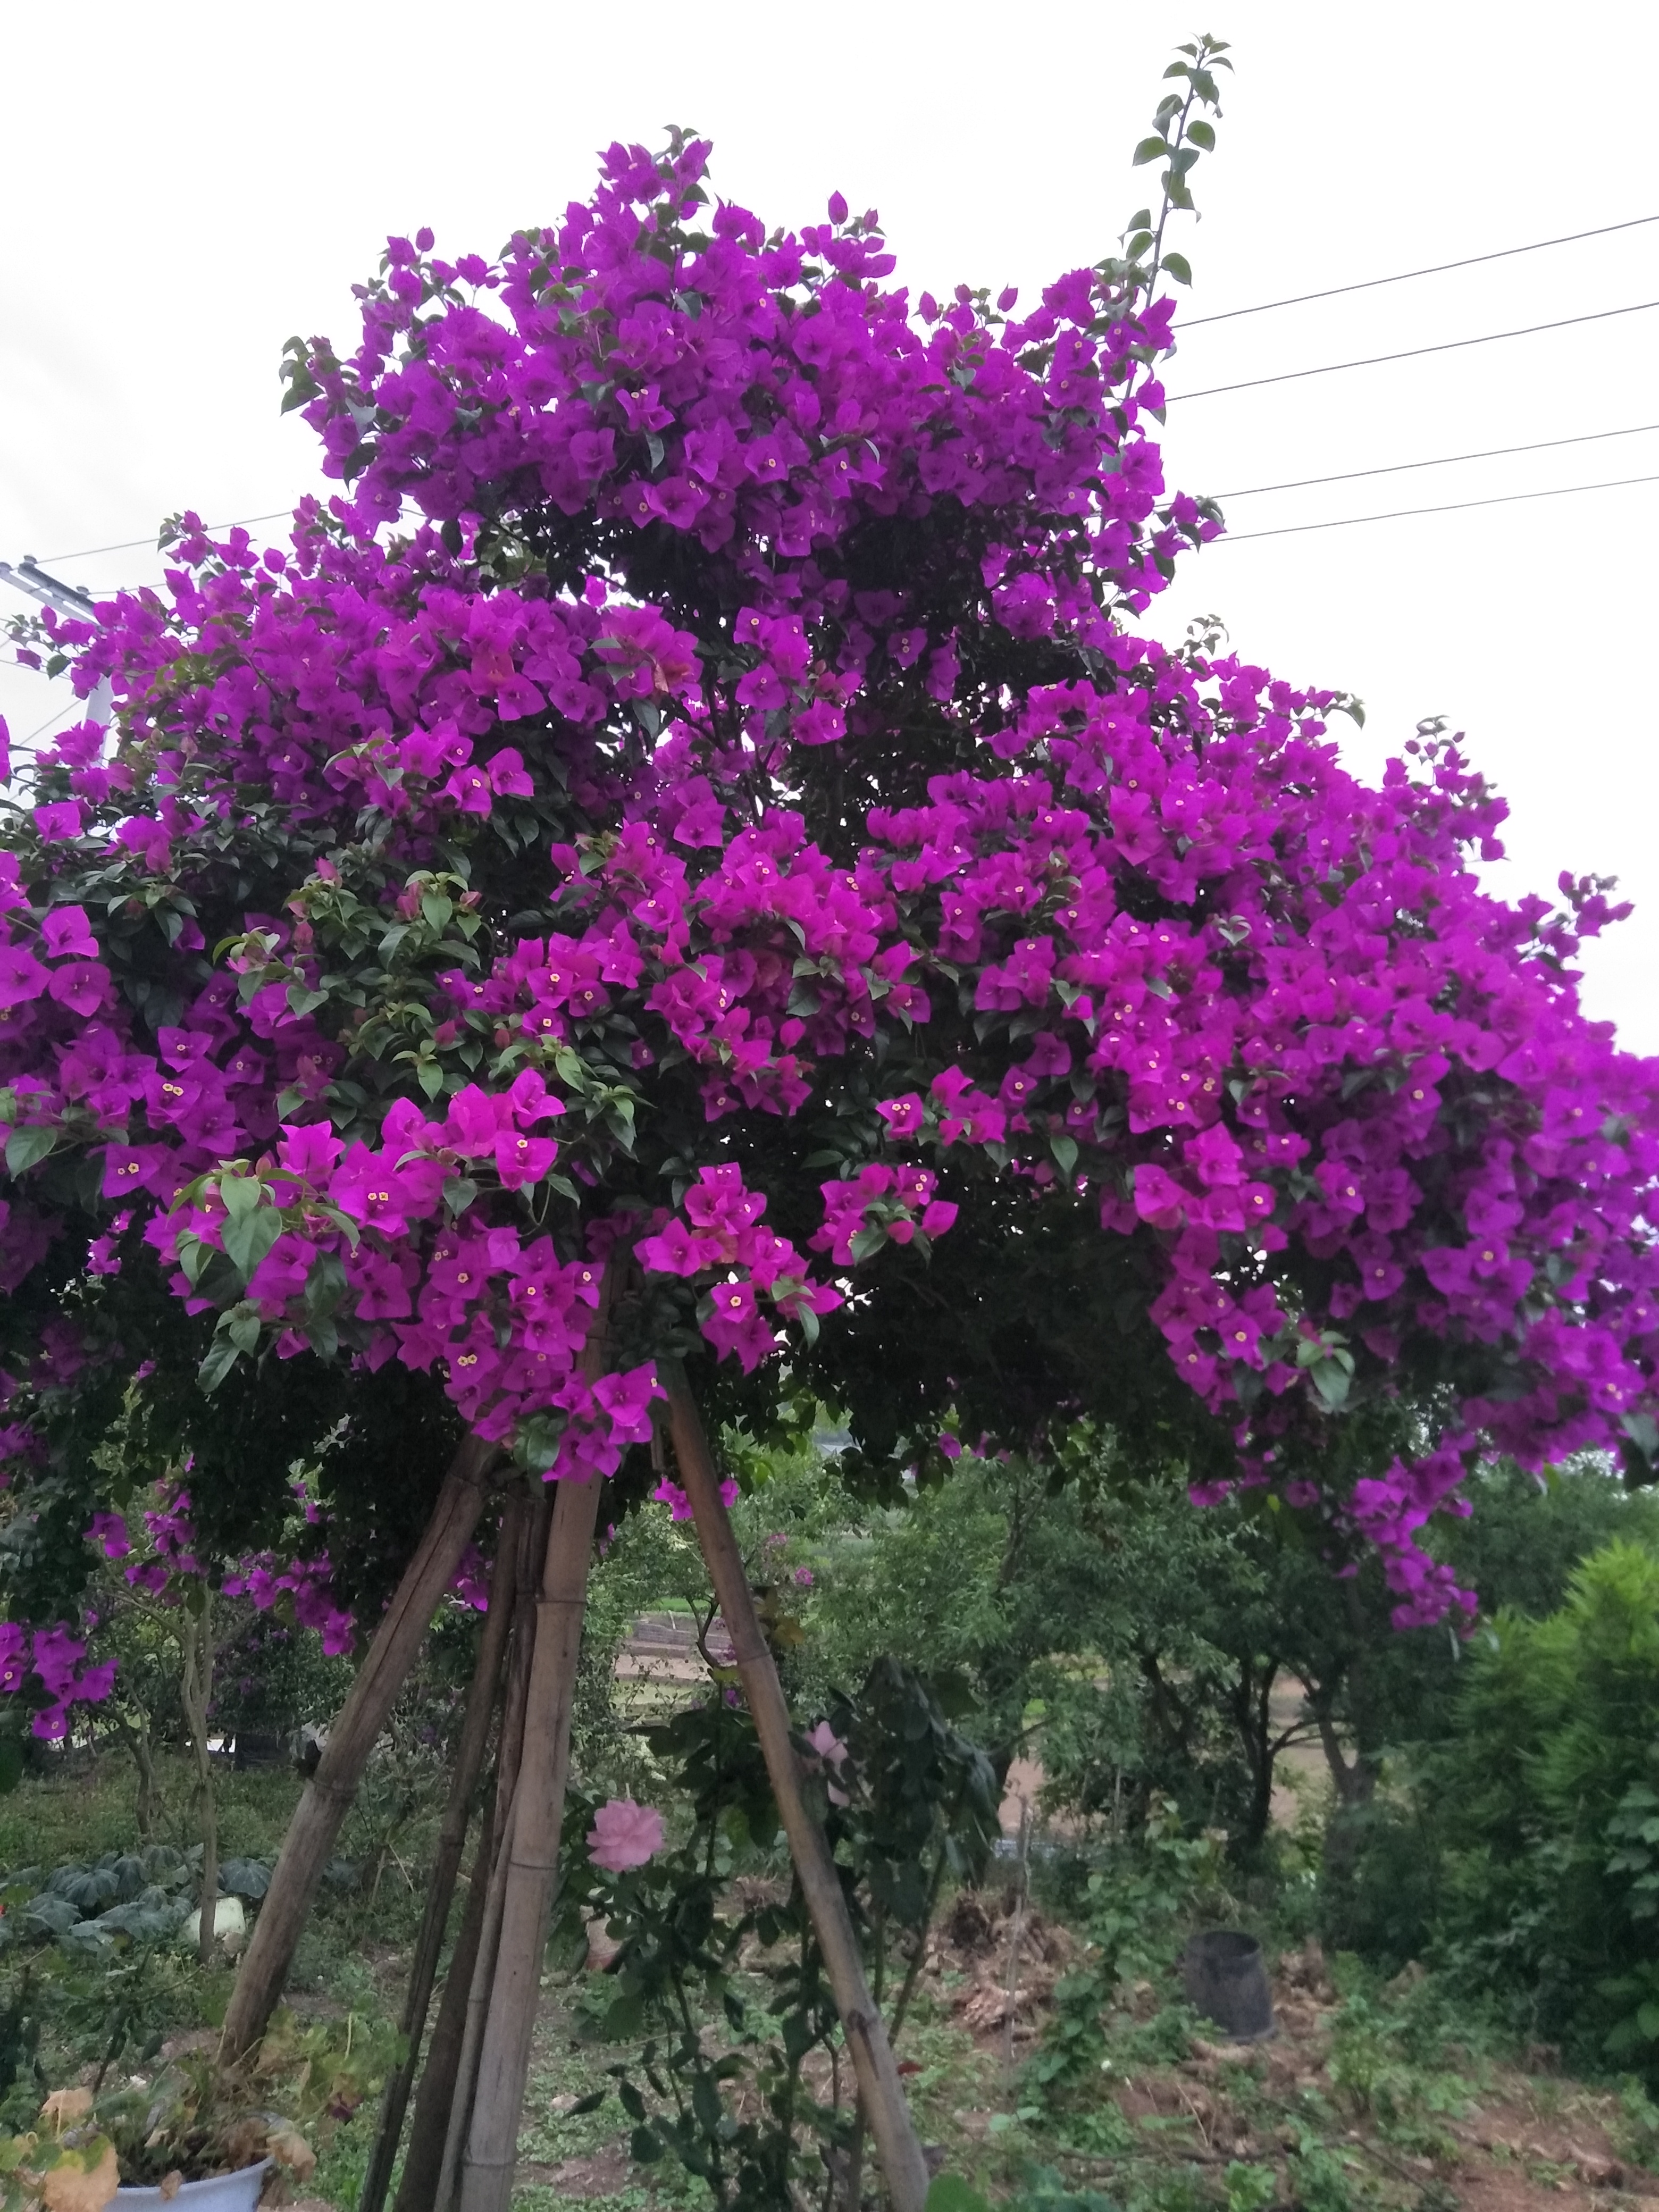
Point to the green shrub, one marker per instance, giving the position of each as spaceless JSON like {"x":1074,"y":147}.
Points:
{"x":1516,"y":1853}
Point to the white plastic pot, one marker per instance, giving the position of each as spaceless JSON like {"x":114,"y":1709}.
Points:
{"x":220,"y":2192}
{"x":229,"y":1928}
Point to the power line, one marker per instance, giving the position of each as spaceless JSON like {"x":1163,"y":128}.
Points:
{"x":1444,"y":461}
{"x":1297,"y":483}
{"x":1456,"y":507}
{"x":1406,"y":276}
{"x":50,"y":719}
{"x":131,"y":545}
{"x":1412,"y":353}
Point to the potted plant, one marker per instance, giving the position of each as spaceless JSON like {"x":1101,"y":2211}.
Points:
{"x":190,"y":2136}
{"x":199,"y":2134}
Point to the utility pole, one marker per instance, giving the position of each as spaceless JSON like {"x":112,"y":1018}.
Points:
{"x":29,"y":577}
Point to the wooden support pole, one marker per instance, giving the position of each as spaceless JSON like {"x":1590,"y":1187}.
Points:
{"x":880,"y":2093}
{"x":481,"y":1701}
{"x":444,"y":2101}
{"x":312,"y":1832}
{"x":530,"y":1855}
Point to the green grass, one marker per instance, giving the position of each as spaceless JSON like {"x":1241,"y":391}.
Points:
{"x":79,"y":1814}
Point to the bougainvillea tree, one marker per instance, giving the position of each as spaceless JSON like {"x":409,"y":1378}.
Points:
{"x":691,"y":813}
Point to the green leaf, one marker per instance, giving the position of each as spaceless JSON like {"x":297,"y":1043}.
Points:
{"x":590,"y":2103}
{"x":249,"y":1237}
{"x":1064,"y":1149}
{"x":243,"y":1329}
{"x":249,"y":1878}
{"x":240,"y":1193}
{"x":24,"y":1146}
{"x":1202,"y":134}
{"x":1331,"y":1379}
{"x":644,"y":2148}
{"x":1151,"y":150}
{"x":706,"y":2103}
{"x":1178,"y":266}
{"x":950,"y":2193}
{"x":223,"y":1355}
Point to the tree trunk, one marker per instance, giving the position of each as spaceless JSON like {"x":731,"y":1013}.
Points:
{"x":1354,"y":1779}
{"x":316,"y":1820}
{"x":1252,"y":1704}
{"x":196,"y":1637}
{"x":531,"y":1858}
{"x":452,"y":1838}
{"x":147,"y":1804}
{"x":880,"y":2095}
{"x":443,"y":2103}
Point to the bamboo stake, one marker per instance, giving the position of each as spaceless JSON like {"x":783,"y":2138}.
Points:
{"x":880,"y":2095}
{"x":471,"y":1978}
{"x":531,"y":1856}
{"x":530,"y":1841}
{"x":441,"y":2106}
{"x":316,"y":1820}
{"x":452,"y":1838}
{"x":417,"y":2190}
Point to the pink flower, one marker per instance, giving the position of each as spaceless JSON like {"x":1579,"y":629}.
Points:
{"x":21,"y":976}
{"x":310,"y":1151}
{"x":57,"y":821}
{"x":828,"y":1745}
{"x":109,"y":1531}
{"x":833,"y":1751}
{"x":904,"y":1116}
{"x":670,"y":1494}
{"x":68,"y":935}
{"x":624,"y":1835}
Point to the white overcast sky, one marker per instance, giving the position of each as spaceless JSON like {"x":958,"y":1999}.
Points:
{"x":185,"y":186}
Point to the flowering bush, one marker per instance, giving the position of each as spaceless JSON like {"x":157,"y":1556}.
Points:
{"x":698,"y":748}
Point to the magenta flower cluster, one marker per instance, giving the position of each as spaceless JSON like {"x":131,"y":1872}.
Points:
{"x":1155,"y":951}
{"x":54,"y":1659}
{"x":170,"y":1558}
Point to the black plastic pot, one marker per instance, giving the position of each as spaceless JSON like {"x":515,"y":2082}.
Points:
{"x":254,"y":1750}
{"x":1226,"y":1979}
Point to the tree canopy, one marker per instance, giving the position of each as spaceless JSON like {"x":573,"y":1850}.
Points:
{"x":696,"y":783}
